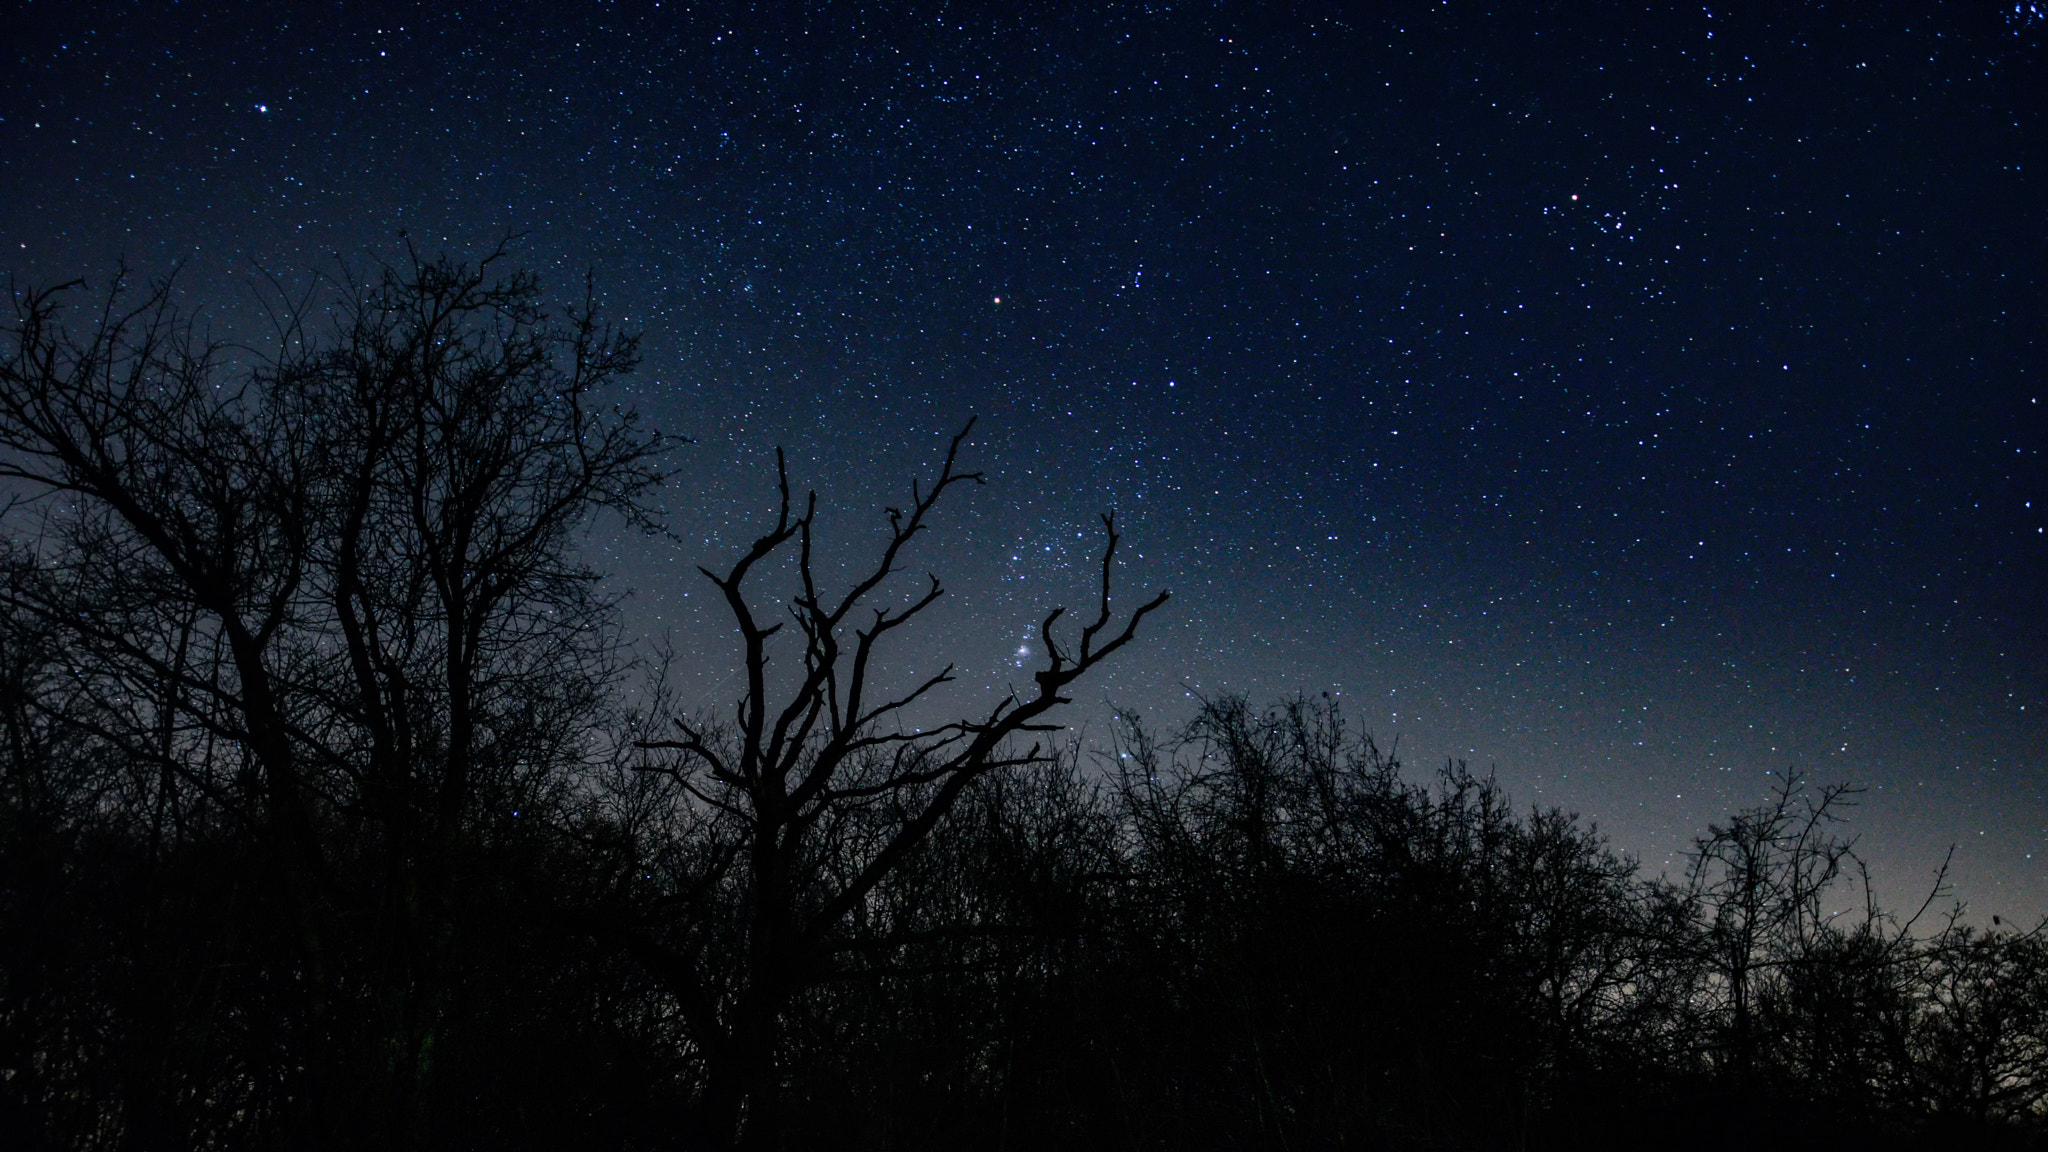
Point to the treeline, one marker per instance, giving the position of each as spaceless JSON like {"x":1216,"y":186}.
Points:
{"x":326,"y":821}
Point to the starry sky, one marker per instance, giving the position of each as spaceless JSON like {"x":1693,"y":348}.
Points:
{"x":1641,"y":402}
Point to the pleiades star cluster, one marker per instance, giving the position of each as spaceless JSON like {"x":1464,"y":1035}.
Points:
{"x":1641,"y":401}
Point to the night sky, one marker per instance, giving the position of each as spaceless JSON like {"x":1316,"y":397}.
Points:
{"x":1639,"y":404}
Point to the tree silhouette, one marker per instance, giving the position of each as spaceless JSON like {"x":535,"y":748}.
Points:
{"x":1759,"y":879}
{"x":819,"y":793}
{"x":332,"y":596}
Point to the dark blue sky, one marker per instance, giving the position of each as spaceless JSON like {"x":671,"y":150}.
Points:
{"x":1639,"y":401}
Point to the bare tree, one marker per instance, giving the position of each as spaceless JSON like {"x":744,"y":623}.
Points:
{"x":1980,"y":1044}
{"x":824,"y":790}
{"x":1758,"y":883}
{"x":334,"y":590}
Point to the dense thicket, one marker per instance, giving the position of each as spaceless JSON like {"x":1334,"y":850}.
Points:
{"x":323,"y":822}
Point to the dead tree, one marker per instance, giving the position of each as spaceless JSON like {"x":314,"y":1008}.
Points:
{"x":827,"y":790}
